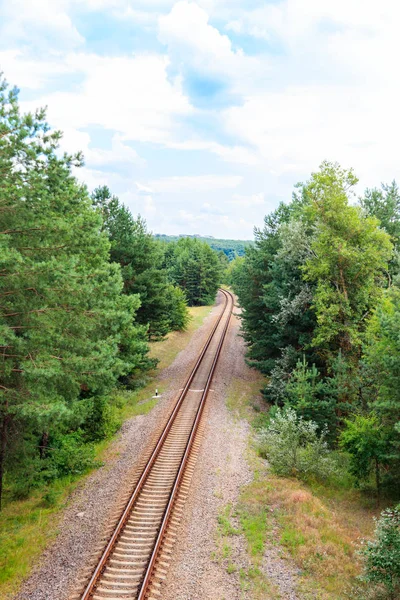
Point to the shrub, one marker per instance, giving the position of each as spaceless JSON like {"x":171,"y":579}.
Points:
{"x":293,"y":446}
{"x":382,"y":554}
{"x":103,"y":419}
{"x":71,"y":456}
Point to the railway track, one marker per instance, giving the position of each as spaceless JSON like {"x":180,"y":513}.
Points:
{"x":134,"y":562}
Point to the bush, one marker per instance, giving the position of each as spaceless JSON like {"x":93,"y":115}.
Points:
{"x":294,"y":448}
{"x":71,"y":456}
{"x":382,"y":554}
{"x":103,"y":419}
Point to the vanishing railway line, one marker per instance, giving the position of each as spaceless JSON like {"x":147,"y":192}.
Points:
{"x":134,"y":562}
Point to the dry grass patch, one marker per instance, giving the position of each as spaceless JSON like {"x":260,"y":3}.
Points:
{"x":318,"y":526}
{"x":168,"y":349}
{"x":321,"y":535}
{"x":239,"y":392}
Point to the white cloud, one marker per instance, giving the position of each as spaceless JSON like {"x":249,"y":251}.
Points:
{"x":39,"y":22}
{"x":149,"y":208}
{"x":248,"y":201}
{"x":120,"y":153}
{"x":187,"y":33}
{"x":130,"y":95}
{"x":197,"y":183}
{"x":222,"y":224}
{"x":186,"y":26}
{"x":30,"y":73}
{"x":328,"y":89}
{"x":143,"y":189}
{"x":233,"y":154}
{"x":332,"y":94}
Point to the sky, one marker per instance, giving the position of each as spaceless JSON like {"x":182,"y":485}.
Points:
{"x":202,"y":115}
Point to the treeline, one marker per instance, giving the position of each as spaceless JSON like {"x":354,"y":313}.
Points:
{"x":320,"y":293}
{"x":84,"y":287}
{"x":231,"y":248}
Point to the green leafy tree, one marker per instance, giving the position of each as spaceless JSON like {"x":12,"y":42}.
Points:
{"x":384,"y":204}
{"x":382,"y":378}
{"x":255,"y":284}
{"x":232,"y":272}
{"x":311,"y":397}
{"x":349,"y":258}
{"x":364,"y":439}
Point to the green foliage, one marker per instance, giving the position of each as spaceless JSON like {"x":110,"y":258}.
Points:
{"x":223,"y":265}
{"x":382,"y":377}
{"x":312,"y":397}
{"x":232,"y":272}
{"x":67,"y":334}
{"x":195,"y":268}
{"x":382,"y":554}
{"x":317,"y":316}
{"x":384,"y":204}
{"x":293,"y":446}
{"x":162,"y":307}
{"x":364,"y":439}
{"x":70,"y":455}
{"x":259,"y":283}
{"x":102,"y":419}
{"x":349,"y":257}
{"x":231,"y":248}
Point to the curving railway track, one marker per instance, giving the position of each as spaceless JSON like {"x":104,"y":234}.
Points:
{"x":136,"y":557}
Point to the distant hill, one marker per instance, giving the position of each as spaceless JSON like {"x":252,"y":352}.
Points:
{"x":231,"y":248}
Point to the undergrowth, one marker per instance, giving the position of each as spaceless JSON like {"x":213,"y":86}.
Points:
{"x":315,"y":525}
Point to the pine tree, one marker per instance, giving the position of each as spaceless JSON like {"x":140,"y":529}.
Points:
{"x":195,"y":268}
{"x":141,"y":257}
{"x":66,"y":333}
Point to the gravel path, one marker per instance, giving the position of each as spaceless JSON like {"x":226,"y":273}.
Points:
{"x":92,"y":505}
{"x":221,"y":470}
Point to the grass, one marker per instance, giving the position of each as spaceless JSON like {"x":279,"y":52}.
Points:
{"x":28,"y":526}
{"x":167,"y":350}
{"x":233,"y":522}
{"x":317,"y":526}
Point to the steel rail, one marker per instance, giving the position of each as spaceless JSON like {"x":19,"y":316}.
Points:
{"x":91,"y":586}
{"x":185,"y":458}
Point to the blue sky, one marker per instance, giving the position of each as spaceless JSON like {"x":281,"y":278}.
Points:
{"x":202,"y":115}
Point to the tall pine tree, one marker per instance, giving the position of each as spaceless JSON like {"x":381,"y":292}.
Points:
{"x":66,"y":332}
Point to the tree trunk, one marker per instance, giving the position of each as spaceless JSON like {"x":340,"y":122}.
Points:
{"x":44,"y":442}
{"x":3,"y":441}
{"x":378,"y":482}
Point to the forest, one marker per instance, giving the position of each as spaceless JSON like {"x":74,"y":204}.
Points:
{"x":231,"y":248}
{"x":321,"y":313}
{"x":84,"y":288}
